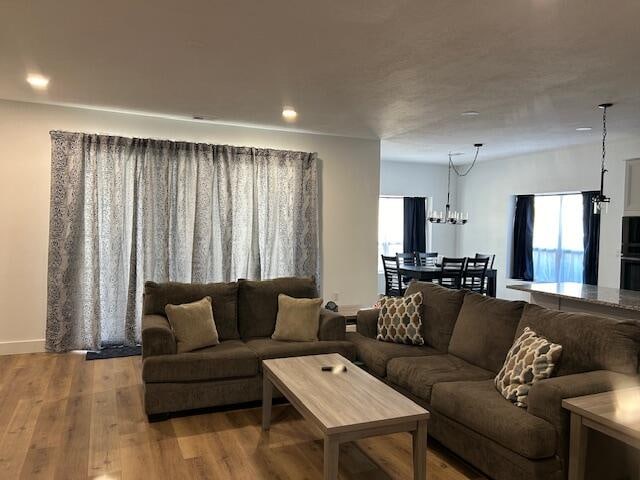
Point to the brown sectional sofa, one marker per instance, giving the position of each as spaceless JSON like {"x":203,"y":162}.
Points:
{"x":468,"y":337}
{"x":245,"y":314}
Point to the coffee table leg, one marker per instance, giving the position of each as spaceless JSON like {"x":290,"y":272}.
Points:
{"x":331,"y":454}
{"x":420,"y":451}
{"x":267,"y":400}
{"x":577,"y":448}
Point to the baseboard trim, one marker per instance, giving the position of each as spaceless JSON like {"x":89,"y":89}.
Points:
{"x":22,"y":346}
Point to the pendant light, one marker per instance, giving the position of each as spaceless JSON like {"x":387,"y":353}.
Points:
{"x":453,"y":217}
{"x":601,"y":201}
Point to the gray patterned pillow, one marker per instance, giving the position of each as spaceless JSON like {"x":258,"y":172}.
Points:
{"x":530,"y":359}
{"x":400,"y":319}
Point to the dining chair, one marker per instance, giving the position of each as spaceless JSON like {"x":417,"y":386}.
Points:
{"x":475,"y":275}
{"x":426,"y":259}
{"x":407,"y":258}
{"x":491,"y":258}
{"x":393,"y":286}
{"x":451,"y":271}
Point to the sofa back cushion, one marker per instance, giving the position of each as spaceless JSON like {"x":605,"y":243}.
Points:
{"x":485,"y":330}
{"x":589,"y":342}
{"x":224,"y":300}
{"x":258,"y":302}
{"x":440,"y":309}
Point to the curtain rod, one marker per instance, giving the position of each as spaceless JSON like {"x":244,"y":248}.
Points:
{"x":551,"y":194}
{"x":177,"y":142}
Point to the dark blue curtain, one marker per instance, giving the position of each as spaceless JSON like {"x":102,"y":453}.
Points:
{"x":415,"y":218}
{"x":591,"y":225}
{"x":522,"y":267}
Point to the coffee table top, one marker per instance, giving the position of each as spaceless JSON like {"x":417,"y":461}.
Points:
{"x":345,"y":401}
{"x":619,"y":410}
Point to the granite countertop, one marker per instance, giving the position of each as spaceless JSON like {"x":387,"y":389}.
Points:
{"x":614,"y":297}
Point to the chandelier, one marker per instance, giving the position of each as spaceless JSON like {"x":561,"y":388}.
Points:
{"x":601,"y":201}
{"x":453,"y":217}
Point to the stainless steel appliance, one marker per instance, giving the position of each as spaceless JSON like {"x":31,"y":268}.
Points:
{"x":630,"y":264}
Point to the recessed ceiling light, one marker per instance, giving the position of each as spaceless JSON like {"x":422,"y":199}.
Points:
{"x":38,"y":82}
{"x":470,"y":113}
{"x":289,"y":114}
{"x":584,"y":129}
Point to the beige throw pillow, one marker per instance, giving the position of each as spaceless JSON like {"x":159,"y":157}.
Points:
{"x":193,"y":325}
{"x":531,"y":358}
{"x":298,"y":319}
{"x":400,"y":319}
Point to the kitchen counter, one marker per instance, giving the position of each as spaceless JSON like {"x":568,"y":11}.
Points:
{"x":576,"y":297}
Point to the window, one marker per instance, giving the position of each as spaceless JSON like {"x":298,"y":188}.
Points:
{"x":558,"y":248}
{"x":390,"y":227}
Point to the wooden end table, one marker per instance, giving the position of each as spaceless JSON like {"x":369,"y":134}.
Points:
{"x":615,"y":414}
{"x":345,"y":406}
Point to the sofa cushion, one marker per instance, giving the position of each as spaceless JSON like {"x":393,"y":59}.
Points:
{"x":224,"y":298}
{"x":229,"y":359}
{"x":589,"y":342}
{"x":375,"y":354}
{"x":193,"y":325}
{"x":419,"y":375}
{"x":485,"y":330}
{"x":440,"y":307}
{"x":258,"y":302}
{"x":400,"y":320}
{"x":532,"y":358}
{"x":266,"y":348}
{"x":298,"y":319}
{"x":480,"y":407}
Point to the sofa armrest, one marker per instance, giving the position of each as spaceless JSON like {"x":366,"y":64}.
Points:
{"x":333,"y":326}
{"x":367,"y":322}
{"x":545,"y":397}
{"x":157,"y":336}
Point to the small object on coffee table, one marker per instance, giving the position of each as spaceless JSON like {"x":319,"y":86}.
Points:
{"x":335,"y":368}
{"x":334,"y":403}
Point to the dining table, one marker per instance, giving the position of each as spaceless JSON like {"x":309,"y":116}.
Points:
{"x":430,"y":273}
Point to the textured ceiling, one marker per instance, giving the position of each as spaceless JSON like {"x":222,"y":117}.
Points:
{"x":401,"y":70}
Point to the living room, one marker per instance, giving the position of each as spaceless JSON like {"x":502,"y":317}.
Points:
{"x":197,"y":204}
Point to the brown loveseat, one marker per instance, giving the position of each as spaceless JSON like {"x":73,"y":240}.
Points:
{"x":468,"y":337}
{"x":245,"y":314}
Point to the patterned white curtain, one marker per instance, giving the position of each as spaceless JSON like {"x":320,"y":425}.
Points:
{"x":127,"y":210}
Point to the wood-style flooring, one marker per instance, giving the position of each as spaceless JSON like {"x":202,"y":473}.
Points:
{"x":62,"y":417}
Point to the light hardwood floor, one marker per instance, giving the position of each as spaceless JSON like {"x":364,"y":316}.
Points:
{"x":64,"y":418}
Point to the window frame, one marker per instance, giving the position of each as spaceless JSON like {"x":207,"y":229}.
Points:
{"x":428,"y":203}
{"x":559,"y":249}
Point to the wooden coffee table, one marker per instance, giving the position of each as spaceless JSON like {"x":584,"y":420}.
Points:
{"x":345,"y":406}
{"x":616,"y":414}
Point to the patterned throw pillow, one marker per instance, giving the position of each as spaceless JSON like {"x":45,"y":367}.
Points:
{"x":400,"y":319}
{"x":530,"y":359}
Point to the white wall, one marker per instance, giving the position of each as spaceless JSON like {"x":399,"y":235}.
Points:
{"x":349,"y":185}
{"x":487,"y":193}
